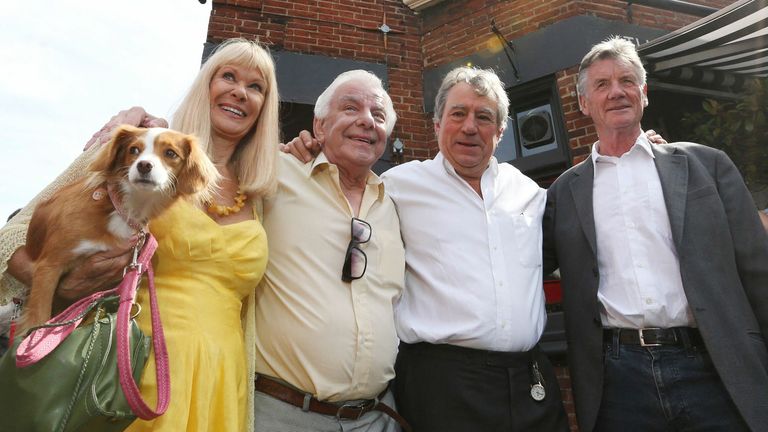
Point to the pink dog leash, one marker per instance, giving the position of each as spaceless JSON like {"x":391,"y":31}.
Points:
{"x":44,"y":339}
{"x":162,"y":374}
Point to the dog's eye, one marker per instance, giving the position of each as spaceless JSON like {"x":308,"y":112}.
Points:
{"x":171,"y":154}
{"x":134,"y":150}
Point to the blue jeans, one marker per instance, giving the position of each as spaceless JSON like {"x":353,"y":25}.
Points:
{"x":665,"y":388}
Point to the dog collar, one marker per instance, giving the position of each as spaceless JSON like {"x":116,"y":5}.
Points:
{"x":118,"y":204}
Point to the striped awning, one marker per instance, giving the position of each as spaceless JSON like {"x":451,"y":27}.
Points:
{"x":719,"y":49}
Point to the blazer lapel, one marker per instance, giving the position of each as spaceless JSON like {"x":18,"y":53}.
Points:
{"x":581,"y":191}
{"x":673,"y":175}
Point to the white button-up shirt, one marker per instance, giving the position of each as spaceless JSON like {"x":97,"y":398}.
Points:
{"x":473,"y":265}
{"x":640,"y":284}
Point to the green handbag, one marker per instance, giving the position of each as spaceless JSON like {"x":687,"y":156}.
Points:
{"x":78,"y":371}
{"x":76,"y":388}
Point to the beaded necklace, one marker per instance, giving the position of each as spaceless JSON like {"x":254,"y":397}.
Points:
{"x":221,"y":210}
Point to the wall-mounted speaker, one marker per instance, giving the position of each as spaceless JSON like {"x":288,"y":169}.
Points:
{"x":535,"y":126}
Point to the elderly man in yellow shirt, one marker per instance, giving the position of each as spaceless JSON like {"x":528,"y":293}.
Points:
{"x":325,"y":335}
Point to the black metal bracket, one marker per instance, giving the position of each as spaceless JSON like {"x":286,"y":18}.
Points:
{"x":508,"y":46}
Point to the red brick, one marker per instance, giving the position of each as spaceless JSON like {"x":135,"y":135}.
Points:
{"x":419,"y":42}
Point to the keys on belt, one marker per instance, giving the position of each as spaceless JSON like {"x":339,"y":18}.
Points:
{"x":538,"y":393}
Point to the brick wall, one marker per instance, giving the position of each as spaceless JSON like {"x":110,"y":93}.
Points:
{"x":581,"y":130}
{"x":346,"y":29}
{"x":564,"y":379}
{"x":438,"y":35}
{"x":460,"y":28}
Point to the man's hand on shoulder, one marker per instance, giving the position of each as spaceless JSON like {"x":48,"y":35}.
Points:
{"x":304,"y":147}
{"x":655,"y":137}
{"x":764,"y":218}
{"x":135,"y":116}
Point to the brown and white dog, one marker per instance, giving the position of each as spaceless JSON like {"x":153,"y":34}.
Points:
{"x":142,"y":171}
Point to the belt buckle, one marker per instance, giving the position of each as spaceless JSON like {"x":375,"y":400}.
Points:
{"x":642,"y":337}
{"x":361,"y":407}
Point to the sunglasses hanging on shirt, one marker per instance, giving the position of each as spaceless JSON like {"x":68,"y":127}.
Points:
{"x":355,"y":260}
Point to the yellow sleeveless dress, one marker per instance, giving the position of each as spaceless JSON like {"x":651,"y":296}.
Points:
{"x":203,"y":272}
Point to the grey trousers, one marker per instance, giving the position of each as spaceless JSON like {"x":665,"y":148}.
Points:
{"x":272,"y":415}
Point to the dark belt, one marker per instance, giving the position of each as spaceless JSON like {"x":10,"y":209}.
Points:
{"x":472,"y":355}
{"x":342,"y":410}
{"x":675,"y":336}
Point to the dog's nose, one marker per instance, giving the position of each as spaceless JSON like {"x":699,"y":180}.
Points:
{"x":144,"y":167}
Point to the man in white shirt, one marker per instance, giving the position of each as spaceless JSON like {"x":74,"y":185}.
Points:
{"x":663,"y":266}
{"x":472,"y":312}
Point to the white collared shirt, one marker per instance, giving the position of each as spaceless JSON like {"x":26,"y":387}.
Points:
{"x":640,"y":284}
{"x":473,"y":265}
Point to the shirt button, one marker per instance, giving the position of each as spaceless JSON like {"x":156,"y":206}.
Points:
{"x":648,"y":301}
{"x":630,"y":225}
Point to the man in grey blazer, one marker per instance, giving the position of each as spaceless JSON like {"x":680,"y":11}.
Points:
{"x":664,"y":267}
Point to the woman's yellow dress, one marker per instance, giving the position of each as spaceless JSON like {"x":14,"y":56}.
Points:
{"x":203,"y":272}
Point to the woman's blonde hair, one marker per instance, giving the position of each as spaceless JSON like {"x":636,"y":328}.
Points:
{"x":255,"y":159}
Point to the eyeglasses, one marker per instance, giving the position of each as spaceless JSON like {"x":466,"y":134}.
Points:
{"x":355,"y":261}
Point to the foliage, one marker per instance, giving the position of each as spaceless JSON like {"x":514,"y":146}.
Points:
{"x":739,"y":128}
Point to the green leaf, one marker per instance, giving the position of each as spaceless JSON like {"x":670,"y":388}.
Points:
{"x":710,"y":106}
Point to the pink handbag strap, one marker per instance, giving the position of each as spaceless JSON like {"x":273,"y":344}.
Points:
{"x":162,"y":374}
{"x":44,"y":339}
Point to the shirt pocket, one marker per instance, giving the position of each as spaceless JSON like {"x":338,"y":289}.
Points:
{"x":524,"y":240}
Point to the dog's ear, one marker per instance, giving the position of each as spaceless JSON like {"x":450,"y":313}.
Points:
{"x":110,"y":156}
{"x":198,"y":175}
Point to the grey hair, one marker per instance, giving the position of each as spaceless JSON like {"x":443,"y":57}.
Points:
{"x":484,"y":81}
{"x":616,"y":48}
{"x":323,"y":103}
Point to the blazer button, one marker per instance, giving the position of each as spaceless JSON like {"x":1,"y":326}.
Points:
{"x":595,"y":272}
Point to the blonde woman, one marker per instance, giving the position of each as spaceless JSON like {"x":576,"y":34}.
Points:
{"x":209,"y":258}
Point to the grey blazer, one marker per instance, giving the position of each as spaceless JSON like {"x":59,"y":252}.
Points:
{"x":723,"y":253}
